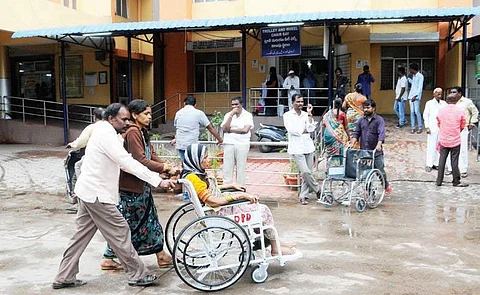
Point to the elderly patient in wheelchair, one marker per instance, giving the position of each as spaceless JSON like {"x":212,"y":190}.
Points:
{"x":194,"y":165}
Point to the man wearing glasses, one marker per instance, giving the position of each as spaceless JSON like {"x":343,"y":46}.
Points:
{"x":236,"y":141}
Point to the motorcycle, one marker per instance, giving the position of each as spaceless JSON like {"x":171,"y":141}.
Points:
{"x":270,"y":133}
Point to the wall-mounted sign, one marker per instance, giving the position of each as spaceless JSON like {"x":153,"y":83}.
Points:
{"x":281,"y":41}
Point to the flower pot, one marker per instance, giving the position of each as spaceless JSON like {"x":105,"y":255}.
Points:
{"x":220,"y":156}
{"x":291,"y":180}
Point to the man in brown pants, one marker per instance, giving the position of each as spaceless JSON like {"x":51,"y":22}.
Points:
{"x":97,"y":191}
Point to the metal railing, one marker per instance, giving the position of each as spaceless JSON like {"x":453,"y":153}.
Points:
{"x":28,"y":109}
{"x":318,"y":97}
{"x":160,"y":111}
{"x":165,"y":150}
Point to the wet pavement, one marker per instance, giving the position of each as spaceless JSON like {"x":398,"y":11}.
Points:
{"x":422,"y":240}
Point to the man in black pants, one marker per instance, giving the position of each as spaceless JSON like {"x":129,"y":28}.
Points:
{"x":451,"y":121}
{"x":370,"y":131}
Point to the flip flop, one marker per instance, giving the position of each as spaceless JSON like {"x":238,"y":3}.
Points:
{"x":76,"y":283}
{"x":116,"y":266}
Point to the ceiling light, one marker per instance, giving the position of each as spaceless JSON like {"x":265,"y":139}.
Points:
{"x":285,"y":24}
{"x":385,"y":20}
{"x":97,"y":34}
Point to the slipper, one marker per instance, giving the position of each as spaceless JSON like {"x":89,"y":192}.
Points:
{"x":116,"y":266}
{"x":148,"y":280}
{"x":303,"y":201}
{"x":76,"y":283}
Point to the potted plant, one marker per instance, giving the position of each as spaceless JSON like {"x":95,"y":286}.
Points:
{"x":292,"y":177}
{"x":216,"y":119}
{"x":163,"y":152}
{"x":215,"y":166}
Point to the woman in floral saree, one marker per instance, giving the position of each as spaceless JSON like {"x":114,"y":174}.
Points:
{"x":335,"y":135}
{"x":354,"y":105}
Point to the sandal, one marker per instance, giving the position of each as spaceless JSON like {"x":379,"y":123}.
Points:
{"x":148,"y":280}
{"x":76,"y":283}
{"x":114,"y":266}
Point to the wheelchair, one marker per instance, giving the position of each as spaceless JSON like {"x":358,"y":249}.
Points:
{"x":353,"y":177}
{"x":212,"y":252}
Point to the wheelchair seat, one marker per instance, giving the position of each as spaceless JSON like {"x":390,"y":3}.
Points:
{"x":366,"y":158}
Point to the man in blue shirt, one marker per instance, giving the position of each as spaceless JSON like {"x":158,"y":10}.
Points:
{"x":365,"y":79}
{"x":414,"y":98}
{"x":370,"y":131}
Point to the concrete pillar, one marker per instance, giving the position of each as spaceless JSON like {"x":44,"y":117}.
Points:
{"x":5,"y":82}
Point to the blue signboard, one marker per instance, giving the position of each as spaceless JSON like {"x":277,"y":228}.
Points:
{"x":281,"y":41}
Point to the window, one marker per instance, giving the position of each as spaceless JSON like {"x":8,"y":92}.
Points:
{"x":217,"y":71}
{"x":396,"y":56}
{"x":121,"y":8}
{"x":70,"y":3}
{"x":74,"y":76}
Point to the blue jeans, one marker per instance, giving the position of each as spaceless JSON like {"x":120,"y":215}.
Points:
{"x":399,"y":108}
{"x":181,"y":154}
{"x":415,"y":112}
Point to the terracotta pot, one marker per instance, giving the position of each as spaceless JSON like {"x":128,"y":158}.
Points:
{"x":220,"y":156}
{"x":291,"y":180}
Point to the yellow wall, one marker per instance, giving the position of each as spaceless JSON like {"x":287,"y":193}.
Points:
{"x":146,"y":82}
{"x":218,"y":9}
{"x":4,"y":63}
{"x":179,"y":9}
{"x":403,"y":4}
{"x":357,"y":39}
{"x":96,"y":95}
{"x":404,"y":28}
{"x":454,"y":70}
{"x":256,"y":7}
{"x":16,"y":15}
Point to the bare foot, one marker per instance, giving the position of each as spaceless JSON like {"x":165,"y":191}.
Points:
{"x":285,"y":251}
{"x":288,"y":244}
{"x":164,"y":259}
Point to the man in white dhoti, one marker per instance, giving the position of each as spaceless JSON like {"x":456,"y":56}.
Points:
{"x":430,"y":120}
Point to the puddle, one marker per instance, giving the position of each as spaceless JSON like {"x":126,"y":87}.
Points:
{"x":452,"y":214}
{"x":473,"y":236}
{"x":41,"y":154}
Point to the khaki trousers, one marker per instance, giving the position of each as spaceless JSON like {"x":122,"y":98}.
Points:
{"x":114,"y":228}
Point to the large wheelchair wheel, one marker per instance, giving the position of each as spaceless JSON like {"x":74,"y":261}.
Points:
{"x":211,"y":253}
{"x":177,"y":221}
{"x":374,"y":188}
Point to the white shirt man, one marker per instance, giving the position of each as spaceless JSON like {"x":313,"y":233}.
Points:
{"x":431,"y":127}
{"x":401,"y":95}
{"x":97,"y":190}
{"x":414,"y":97}
{"x":299,"y":125}
{"x":292,"y":83}
{"x":237,"y":125}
